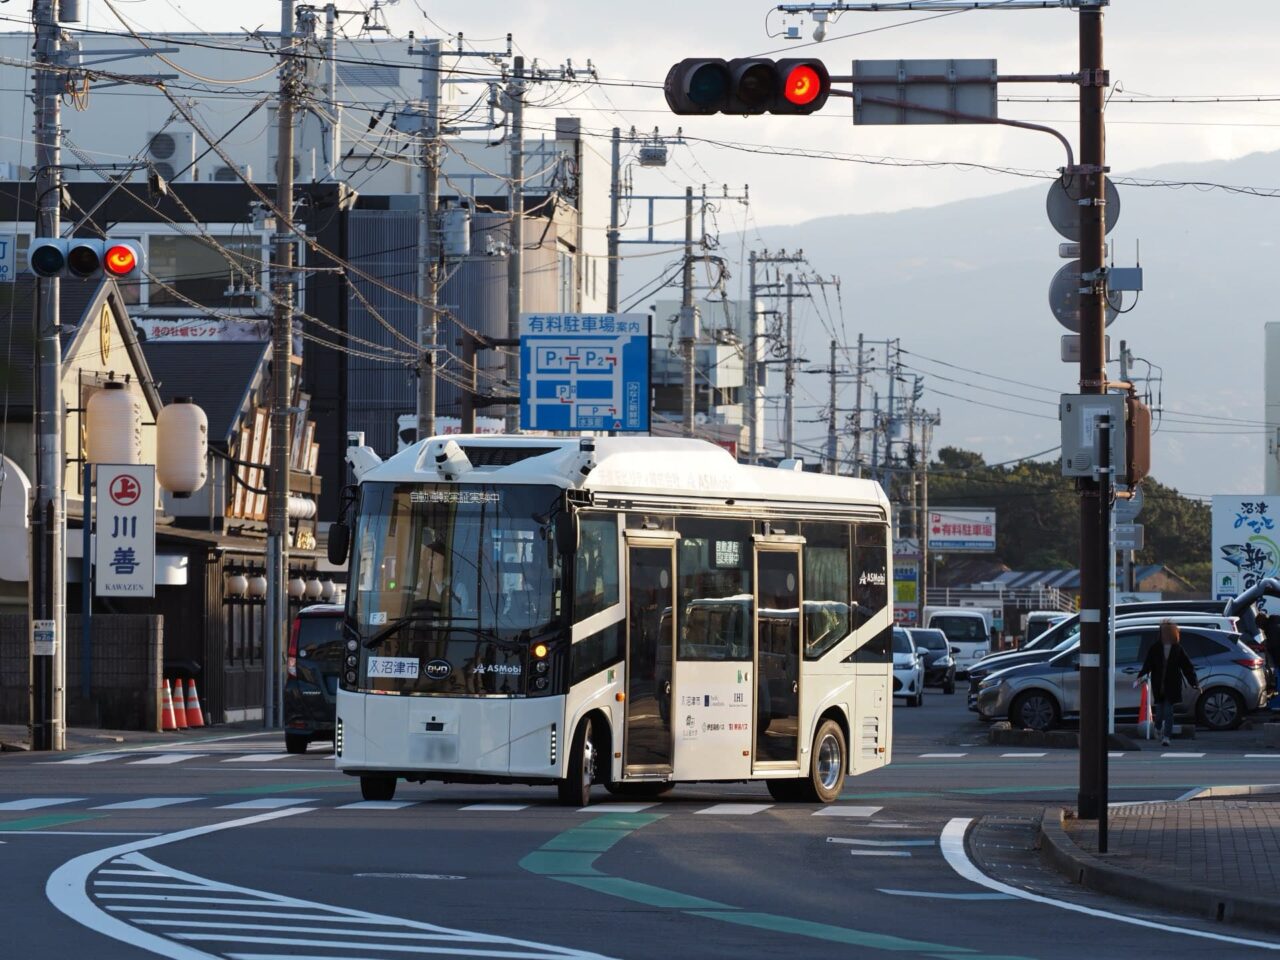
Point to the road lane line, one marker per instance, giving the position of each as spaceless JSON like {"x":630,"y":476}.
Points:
{"x":843,"y":810}
{"x":1021,"y":756}
{"x":1262,"y":756}
{"x":36,"y":803}
{"x":379,"y":805}
{"x":165,"y":758}
{"x":497,"y":807}
{"x":265,"y":803}
{"x":941,"y":756}
{"x":735,"y":809}
{"x":954,"y":853}
{"x":147,"y":803}
{"x":291,"y":928}
{"x":879,"y":853}
{"x":933,"y":895}
{"x":1181,"y":756}
{"x":89,"y":758}
{"x":615,"y":808}
{"x":881,"y":843}
{"x":255,"y":758}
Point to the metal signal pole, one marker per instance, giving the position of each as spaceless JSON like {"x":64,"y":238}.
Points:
{"x":1091,"y":802}
{"x":48,"y":514}
{"x":615,"y":190}
{"x":515,"y":261}
{"x":429,"y":241}
{"x":281,"y":380}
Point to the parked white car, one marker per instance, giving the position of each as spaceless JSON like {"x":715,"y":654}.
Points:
{"x":908,"y":669}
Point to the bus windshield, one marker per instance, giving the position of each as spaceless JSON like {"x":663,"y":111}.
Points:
{"x":457,"y":572}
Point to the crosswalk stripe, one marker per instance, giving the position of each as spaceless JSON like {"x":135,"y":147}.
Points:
{"x":1181,"y":756}
{"x":879,"y":853}
{"x":735,"y":809}
{"x":380,"y":805}
{"x":264,"y":803}
{"x":842,"y":810}
{"x":942,"y":756}
{"x":147,"y":803}
{"x":255,"y":758}
{"x":1022,"y":756}
{"x":35,"y":803}
{"x":91,"y":758}
{"x":160,"y":759}
{"x":1262,"y":756}
{"x":617,"y":808}
{"x":497,"y":807}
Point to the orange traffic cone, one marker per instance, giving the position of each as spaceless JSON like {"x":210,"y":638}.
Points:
{"x":179,"y":706}
{"x":195,"y":718}
{"x":167,"y":721}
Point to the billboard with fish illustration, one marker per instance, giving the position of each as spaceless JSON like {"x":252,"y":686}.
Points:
{"x":1246,"y":542}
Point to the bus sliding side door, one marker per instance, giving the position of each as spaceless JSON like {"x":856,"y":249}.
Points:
{"x":647,"y":741}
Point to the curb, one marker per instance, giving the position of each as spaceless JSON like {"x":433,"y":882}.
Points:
{"x":1241,"y":790}
{"x":1061,"y":853}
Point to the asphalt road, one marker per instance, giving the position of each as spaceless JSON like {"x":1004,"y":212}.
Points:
{"x":231,"y":848}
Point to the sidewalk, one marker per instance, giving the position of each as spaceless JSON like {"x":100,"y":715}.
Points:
{"x":1215,"y":858}
{"x":16,"y":738}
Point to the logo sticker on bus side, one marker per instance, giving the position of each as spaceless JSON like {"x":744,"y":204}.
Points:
{"x":400,"y":668}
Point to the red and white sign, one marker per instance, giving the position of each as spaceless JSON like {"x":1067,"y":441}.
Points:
{"x":125,"y":552}
{"x":962,"y":530}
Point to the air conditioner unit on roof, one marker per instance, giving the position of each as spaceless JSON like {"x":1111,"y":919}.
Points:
{"x":172,"y":154}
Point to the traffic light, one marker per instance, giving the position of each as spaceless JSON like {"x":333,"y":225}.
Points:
{"x":85,"y":259}
{"x":749,"y":85}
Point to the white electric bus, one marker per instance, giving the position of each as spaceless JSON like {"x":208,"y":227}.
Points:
{"x":630,"y":612}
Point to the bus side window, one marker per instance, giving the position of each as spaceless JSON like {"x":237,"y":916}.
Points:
{"x":870,"y":572}
{"x":713,"y":579}
{"x":595,"y":579}
{"x":826,"y":586}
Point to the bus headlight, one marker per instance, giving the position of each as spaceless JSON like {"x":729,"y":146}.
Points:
{"x":352,"y":661}
{"x":351,"y":645}
{"x":541,"y":666}
{"x":351,"y":677}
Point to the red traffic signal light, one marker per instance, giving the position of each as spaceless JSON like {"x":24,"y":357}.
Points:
{"x":749,"y":85}
{"x":120,"y":260}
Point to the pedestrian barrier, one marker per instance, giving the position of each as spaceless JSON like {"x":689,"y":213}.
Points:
{"x":167,"y":720}
{"x":179,"y":706}
{"x":195,"y":717}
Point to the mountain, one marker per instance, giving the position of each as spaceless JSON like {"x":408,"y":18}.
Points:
{"x":967,"y":283}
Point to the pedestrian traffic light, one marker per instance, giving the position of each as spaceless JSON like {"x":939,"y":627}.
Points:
{"x":85,"y":259}
{"x":749,"y":85}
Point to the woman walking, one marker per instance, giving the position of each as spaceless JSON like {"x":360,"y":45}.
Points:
{"x":1166,"y":665}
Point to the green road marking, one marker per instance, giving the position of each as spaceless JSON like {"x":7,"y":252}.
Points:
{"x":286,"y":787}
{"x":987,"y":791}
{"x":48,"y":820}
{"x":569,"y":857}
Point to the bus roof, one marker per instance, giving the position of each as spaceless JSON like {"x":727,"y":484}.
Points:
{"x":644,"y":466}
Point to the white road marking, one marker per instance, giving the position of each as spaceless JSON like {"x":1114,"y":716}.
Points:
{"x":932,"y":895}
{"x":66,"y":889}
{"x":148,"y":803}
{"x":263,"y":803}
{"x":1116,"y":755}
{"x":881,"y":843}
{"x":954,"y":853}
{"x":497,"y":807}
{"x":1181,"y":756}
{"x":287,"y":928}
{"x":90,"y":758}
{"x":164,"y":758}
{"x":256,"y":758}
{"x":35,"y":803}
{"x":1262,"y":756}
{"x":942,"y":756}
{"x":879,"y":853}
{"x":735,"y":809}
{"x":81,"y":833}
{"x":1022,"y":756}
{"x":379,"y":805}
{"x":847,"y":811}
{"x":614,"y":808}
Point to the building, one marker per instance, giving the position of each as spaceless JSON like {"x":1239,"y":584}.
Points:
{"x":1271,"y":409}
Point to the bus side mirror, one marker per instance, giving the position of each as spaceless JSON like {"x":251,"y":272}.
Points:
{"x":339,"y":543}
{"x":566,"y":532}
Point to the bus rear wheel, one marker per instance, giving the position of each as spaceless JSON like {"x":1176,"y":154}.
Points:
{"x":827,"y":764}
{"x":377,"y":788}
{"x":575,"y":789}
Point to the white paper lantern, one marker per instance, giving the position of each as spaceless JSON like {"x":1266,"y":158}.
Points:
{"x":327,"y":590}
{"x":313,"y":589}
{"x":237,"y":584}
{"x":257,"y":586}
{"x":182,"y":447}
{"x":297,"y":587}
{"x":113,"y":425}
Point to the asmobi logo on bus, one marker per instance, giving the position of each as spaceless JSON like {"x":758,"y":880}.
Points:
{"x":873,"y":578}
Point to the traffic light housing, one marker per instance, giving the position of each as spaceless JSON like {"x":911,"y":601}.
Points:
{"x":84,"y":258}
{"x":748,"y":85}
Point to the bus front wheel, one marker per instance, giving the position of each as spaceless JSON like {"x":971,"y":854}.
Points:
{"x":827,"y":764}
{"x":575,"y":788}
{"x":377,"y":788}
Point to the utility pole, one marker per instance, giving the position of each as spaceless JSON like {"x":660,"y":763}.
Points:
{"x":515,"y":261}
{"x":281,"y":386}
{"x":857,"y":414}
{"x":688,"y":315}
{"x":927,"y":424}
{"x":751,"y":400}
{"x":833,"y":443}
{"x":48,"y":510}
{"x":891,"y":367}
{"x":1127,"y":555}
{"x":789,"y":380}
{"x":1091,"y":802}
{"x":615,"y":190}
{"x":429,"y":240}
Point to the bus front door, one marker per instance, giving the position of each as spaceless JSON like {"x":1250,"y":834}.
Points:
{"x":778,"y":645}
{"x":647,"y":742}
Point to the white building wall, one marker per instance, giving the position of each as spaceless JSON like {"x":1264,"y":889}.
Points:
{"x":1271,"y":397}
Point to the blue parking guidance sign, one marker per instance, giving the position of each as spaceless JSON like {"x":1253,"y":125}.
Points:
{"x":584,"y":371}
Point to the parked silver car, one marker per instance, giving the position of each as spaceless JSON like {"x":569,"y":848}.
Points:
{"x":1040,"y":695}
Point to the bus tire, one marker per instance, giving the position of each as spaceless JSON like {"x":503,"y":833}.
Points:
{"x":296,"y":742}
{"x":828,"y":762}
{"x":575,"y":789}
{"x":377,"y":788}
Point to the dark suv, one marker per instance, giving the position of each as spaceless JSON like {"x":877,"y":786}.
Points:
{"x":311,"y":687}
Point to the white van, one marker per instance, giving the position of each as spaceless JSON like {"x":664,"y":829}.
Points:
{"x":968,"y":631}
{"x":1037,"y":622}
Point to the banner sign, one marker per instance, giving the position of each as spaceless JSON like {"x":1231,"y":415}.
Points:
{"x":1246,"y":543}
{"x":125,"y":555}
{"x":962,"y":530}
